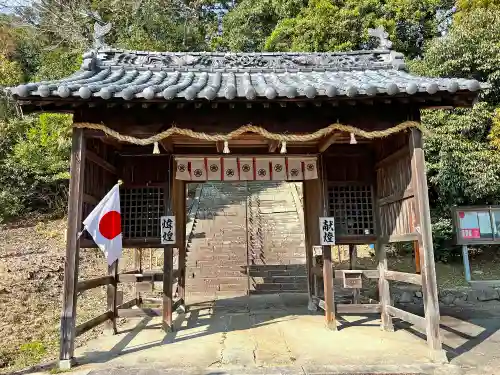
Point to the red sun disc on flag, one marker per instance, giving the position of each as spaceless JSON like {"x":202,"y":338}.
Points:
{"x":110,"y":225}
{"x":461,"y":215}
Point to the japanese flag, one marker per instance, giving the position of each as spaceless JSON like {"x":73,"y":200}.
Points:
{"x":105,"y":227}
{"x":182,"y":172}
{"x":198,"y":170}
{"x":246,"y":169}
{"x":214,"y":169}
{"x":262,"y":170}
{"x":295,"y":169}
{"x":279,"y":169}
{"x":231,"y":169}
{"x":310,"y":169}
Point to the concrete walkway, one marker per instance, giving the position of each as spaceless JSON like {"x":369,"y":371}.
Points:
{"x":260,"y":334}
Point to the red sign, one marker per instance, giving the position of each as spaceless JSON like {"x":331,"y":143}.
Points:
{"x":471,"y":233}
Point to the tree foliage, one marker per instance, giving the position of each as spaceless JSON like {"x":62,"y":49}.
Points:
{"x":44,"y":39}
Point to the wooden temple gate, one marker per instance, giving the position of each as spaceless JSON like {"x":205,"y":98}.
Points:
{"x":357,"y":113}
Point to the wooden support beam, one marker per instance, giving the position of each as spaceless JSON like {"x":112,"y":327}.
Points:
{"x":353,"y":255}
{"x":93,"y":283}
{"x":92,"y":323}
{"x":68,"y":314}
{"x":331,"y":322}
{"x":328,"y":141}
{"x":396,"y":196}
{"x":403,"y":151}
{"x":179,"y":208}
{"x":429,"y":284}
{"x":357,"y":308}
{"x":167,"y":288}
{"x":90,"y":199}
{"x":273,"y":145}
{"x":177,"y":304}
{"x":406,"y":316}
{"x":138,"y":313}
{"x":400,"y":238}
{"x":383,"y":287}
{"x":138,"y":266}
{"x":369,"y":274}
{"x":94,"y":158}
{"x":312,"y":212}
{"x":111,"y":142}
{"x":167,"y":145}
{"x":410,"y":278}
{"x":111,"y":296}
{"x":133,"y":302}
{"x":220,"y":146}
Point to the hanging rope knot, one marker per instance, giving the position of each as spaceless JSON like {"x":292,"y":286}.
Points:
{"x":353,"y":140}
{"x":156,"y":149}
{"x":283,"y":147}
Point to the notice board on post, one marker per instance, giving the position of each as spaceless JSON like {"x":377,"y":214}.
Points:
{"x":476,"y":225}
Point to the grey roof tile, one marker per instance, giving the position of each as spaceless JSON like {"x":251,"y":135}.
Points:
{"x":128,"y":75}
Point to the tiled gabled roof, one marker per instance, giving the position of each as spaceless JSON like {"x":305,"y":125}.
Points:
{"x":129,"y":75}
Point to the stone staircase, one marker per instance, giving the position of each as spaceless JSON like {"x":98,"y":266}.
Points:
{"x":246,"y":227}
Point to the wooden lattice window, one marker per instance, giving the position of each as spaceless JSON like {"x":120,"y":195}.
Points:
{"x":352,"y":207}
{"x":141,"y":211}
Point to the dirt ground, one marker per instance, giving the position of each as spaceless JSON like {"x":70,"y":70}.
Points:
{"x":31,"y":281}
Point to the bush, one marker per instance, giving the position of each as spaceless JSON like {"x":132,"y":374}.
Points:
{"x":34,"y":165}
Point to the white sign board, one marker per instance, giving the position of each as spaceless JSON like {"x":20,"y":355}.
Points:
{"x":167,"y":225}
{"x":327,"y":230}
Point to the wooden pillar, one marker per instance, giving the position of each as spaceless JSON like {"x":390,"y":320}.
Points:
{"x":331,"y":322}
{"x":353,"y":256}
{"x":312,"y":211}
{"x":424,"y":229}
{"x":111,"y":292}
{"x":179,"y":209}
{"x":68,"y":314}
{"x":167,"y":287}
{"x":138,"y":267}
{"x":383,"y":286}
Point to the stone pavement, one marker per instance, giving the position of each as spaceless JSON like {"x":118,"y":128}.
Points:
{"x":271,"y":335}
{"x":257,"y":334}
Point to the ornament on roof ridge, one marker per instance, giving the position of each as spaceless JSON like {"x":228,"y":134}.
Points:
{"x":101,"y":29}
{"x":383,"y":37}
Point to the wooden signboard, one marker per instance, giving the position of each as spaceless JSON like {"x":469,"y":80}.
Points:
{"x":167,"y":225}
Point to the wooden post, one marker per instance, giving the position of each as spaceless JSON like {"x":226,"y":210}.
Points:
{"x":312,"y":212}
{"x":328,"y":288}
{"x":138,"y":267}
{"x":353,"y":255}
{"x":68,"y":314}
{"x":383,"y":286}
{"x":111,"y":292}
{"x":428,"y":267}
{"x":167,"y":287}
{"x":179,"y":208}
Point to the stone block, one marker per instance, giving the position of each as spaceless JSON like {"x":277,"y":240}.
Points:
{"x":405,"y":297}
